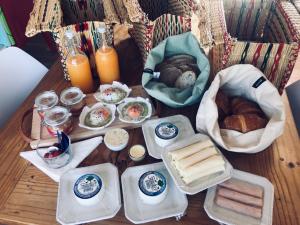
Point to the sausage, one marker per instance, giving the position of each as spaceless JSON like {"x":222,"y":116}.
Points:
{"x":239,"y":207}
{"x":243,"y":198}
{"x":243,"y":187}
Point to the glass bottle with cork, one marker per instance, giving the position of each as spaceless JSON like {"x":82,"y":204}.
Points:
{"x":78,"y":65}
{"x":107,"y":61}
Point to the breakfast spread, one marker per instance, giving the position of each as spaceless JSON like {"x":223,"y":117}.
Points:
{"x":239,"y":114}
{"x":134,"y":110}
{"x":116,"y":139}
{"x":166,"y":133}
{"x":178,"y":71}
{"x":197,"y":161}
{"x":112,"y":94}
{"x":241,"y":197}
{"x":73,"y":98}
{"x":152,"y":187}
{"x":89,"y":189}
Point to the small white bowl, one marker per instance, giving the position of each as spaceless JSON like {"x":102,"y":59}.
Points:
{"x":116,"y":139}
{"x":137,"y":153}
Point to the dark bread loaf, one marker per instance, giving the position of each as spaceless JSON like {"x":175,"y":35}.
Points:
{"x":244,"y":123}
{"x":223,"y":104}
{"x":242,"y":106}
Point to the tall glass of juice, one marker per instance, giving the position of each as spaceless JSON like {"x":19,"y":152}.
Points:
{"x":107,"y":61}
{"x":78,"y":65}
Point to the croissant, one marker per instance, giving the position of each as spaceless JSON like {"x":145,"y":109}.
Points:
{"x":223,"y":104}
{"x":240,"y":105}
{"x":244,"y":123}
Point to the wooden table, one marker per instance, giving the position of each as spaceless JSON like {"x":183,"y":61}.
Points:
{"x":27,"y":196}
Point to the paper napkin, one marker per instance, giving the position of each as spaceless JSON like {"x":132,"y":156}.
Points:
{"x":80,"y":151}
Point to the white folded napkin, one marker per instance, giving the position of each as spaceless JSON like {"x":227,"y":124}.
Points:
{"x":80,"y":151}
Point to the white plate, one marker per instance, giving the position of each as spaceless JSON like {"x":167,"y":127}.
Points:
{"x":202,"y":183}
{"x":229,"y":217}
{"x":137,"y":99}
{"x":70,"y":211}
{"x":174,"y":205}
{"x":87,"y":109}
{"x":183,"y":124}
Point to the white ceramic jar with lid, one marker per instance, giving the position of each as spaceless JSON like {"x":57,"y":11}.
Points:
{"x":58,"y":118}
{"x":89,"y":189}
{"x":166,"y":133}
{"x":152,"y":187}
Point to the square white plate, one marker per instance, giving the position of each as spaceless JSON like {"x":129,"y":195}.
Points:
{"x":138,"y":212}
{"x":182,"y":122}
{"x":70,"y":211}
{"x":230,"y":217}
{"x":202,"y":183}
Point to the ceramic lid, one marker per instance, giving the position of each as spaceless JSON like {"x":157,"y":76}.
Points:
{"x":152,"y":183}
{"x":71,"y":96}
{"x":87,"y":186}
{"x":56,"y":116}
{"x":166,"y":130}
{"x":46,"y":100}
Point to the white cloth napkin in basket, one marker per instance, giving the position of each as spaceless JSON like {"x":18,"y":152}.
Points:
{"x":80,"y":151}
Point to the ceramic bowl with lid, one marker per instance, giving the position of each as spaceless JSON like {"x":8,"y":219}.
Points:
{"x":166,"y":133}
{"x":89,"y":189}
{"x":45,"y":101}
{"x":73,"y":98}
{"x":58,"y":118}
{"x":152,"y":187}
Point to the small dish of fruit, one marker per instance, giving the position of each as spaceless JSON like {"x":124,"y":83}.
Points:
{"x":57,"y":155}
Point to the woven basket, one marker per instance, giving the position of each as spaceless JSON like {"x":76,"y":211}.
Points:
{"x":155,"y":20}
{"x":56,"y":16}
{"x":49,"y":15}
{"x":88,"y":38}
{"x":267,"y":35}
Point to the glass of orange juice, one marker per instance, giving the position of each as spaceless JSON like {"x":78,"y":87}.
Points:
{"x":107,"y":61}
{"x":78,"y":65}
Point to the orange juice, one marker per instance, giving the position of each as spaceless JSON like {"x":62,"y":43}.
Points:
{"x":79,"y":69}
{"x":107,"y":65}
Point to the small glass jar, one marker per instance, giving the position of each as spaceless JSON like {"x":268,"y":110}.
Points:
{"x":45,"y":101}
{"x":58,"y":119}
{"x":73,"y":99}
{"x":57,"y":155}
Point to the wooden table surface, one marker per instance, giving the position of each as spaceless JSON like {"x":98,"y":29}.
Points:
{"x":27,"y":196}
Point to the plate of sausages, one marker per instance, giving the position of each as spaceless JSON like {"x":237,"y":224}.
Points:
{"x":243,"y":199}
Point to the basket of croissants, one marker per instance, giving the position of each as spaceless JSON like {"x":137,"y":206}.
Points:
{"x":241,"y":111}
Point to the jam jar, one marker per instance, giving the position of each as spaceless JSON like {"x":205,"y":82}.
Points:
{"x":73,"y":98}
{"x":58,"y":119}
{"x":45,"y":101}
